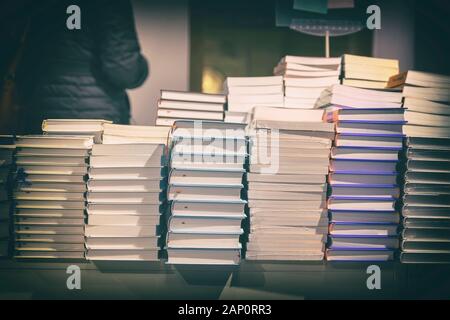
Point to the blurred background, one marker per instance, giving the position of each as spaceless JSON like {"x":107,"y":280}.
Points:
{"x":196,"y":44}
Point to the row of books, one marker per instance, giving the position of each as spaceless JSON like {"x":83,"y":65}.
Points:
{"x":205,"y":185}
{"x":426,"y":170}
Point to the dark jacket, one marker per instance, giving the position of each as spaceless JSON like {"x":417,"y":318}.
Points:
{"x":80,"y":73}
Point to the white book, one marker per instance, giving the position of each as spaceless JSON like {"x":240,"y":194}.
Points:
{"x":112,"y":139}
{"x":127,"y":161}
{"x":59,"y":141}
{"x":304,"y":67}
{"x":285,"y":195}
{"x":284,"y":256}
{"x":122,"y":255}
{"x":426,"y":119}
{"x":366,"y":94}
{"x":123,"y":197}
{"x":255,"y":90}
{"x":308,"y":74}
{"x":52,"y":187}
{"x":122,"y":220}
{"x":299,"y":103}
{"x":358,"y":166}
{"x":190,"y":114}
{"x":433,"y":94}
{"x":50,"y":255}
{"x":212,"y":192}
{"x":364,"y":154}
{"x":234,"y":100}
{"x":205,"y":225}
{"x":236,"y":117}
{"x":179,"y":176}
{"x":309,"y":93}
{"x":362,"y":179}
{"x":252,"y":81}
{"x":51,"y":161}
{"x":51,"y":152}
{"x":311,"y":82}
{"x":352,"y":102}
{"x":144,"y":173}
{"x":192,"y":96}
{"x":124,"y":209}
{"x":119,"y":231}
{"x":426,"y":131}
{"x":125,"y":185}
{"x":197,"y":240}
{"x":49,"y":204}
{"x":208,"y":209}
{"x":112,"y":243}
{"x":54,"y":170}
{"x":365,"y":84}
{"x":135,"y":131}
{"x":47,"y":196}
{"x":395,"y":143}
{"x":370,"y":61}
{"x":42,"y":213}
{"x":358,"y":205}
{"x":286,"y":115}
{"x":359,"y":255}
{"x":312,"y":61}
{"x":190,"y":105}
{"x":203,"y":256}
{"x":284,"y":178}
{"x":73,"y":125}
{"x":126,"y":149}
{"x":425,"y":106}
{"x":282,"y":204}
{"x":165,"y":122}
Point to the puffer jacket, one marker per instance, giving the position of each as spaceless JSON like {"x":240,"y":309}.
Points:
{"x":80,"y":74}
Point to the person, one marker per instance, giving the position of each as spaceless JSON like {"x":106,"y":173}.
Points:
{"x":79,"y":73}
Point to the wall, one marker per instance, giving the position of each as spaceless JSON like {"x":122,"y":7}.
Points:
{"x":395,"y":40}
{"x":163,"y":31}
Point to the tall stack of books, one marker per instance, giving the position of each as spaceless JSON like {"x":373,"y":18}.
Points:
{"x":244,"y":93}
{"x":426,"y":189}
{"x":7,"y":148}
{"x":287,"y":190}
{"x":305,"y":78}
{"x":50,"y":196}
{"x":363,"y":173}
{"x":79,"y":127}
{"x":205,"y":184}
{"x":126,"y":194}
{"x":179,"y":105}
{"x":367,"y":72}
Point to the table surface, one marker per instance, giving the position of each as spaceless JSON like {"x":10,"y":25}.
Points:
{"x":251,"y":280}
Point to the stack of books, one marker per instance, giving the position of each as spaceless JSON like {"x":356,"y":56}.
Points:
{"x":7,"y":148}
{"x":50,"y":196}
{"x":245,"y":93}
{"x":179,"y":105}
{"x":367,"y":72}
{"x":79,"y":127}
{"x":205,"y":185}
{"x":426,"y":189}
{"x":126,"y":196}
{"x":305,"y":78}
{"x":287,"y":188}
{"x":363,"y":173}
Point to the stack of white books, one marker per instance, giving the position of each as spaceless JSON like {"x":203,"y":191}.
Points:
{"x":50,"y":196}
{"x":205,"y":184}
{"x":126,"y":196}
{"x":426,"y":188}
{"x":125,"y":134}
{"x":287,"y":188}
{"x":367,"y":72}
{"x":364,"y":167}
{"x":179,"y":105}
{"x":305,"y":78}
{"x":244,"y":93}
{"x":7,"y":148}
{"x":79,"y":127}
